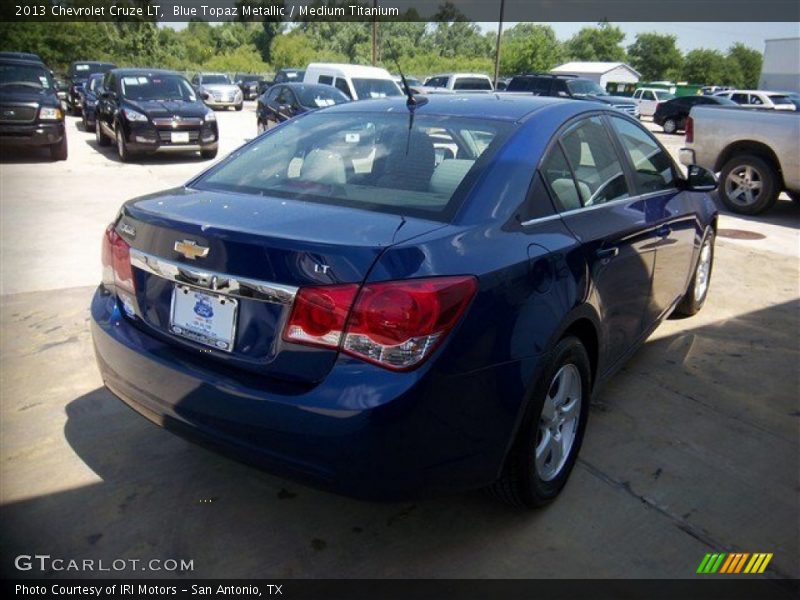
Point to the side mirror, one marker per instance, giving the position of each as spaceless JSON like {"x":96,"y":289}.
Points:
{"x":700,"y":179}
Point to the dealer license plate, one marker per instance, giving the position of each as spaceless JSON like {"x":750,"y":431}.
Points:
{"x":209,"y":319}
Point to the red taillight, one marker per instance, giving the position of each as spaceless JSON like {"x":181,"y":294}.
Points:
{"x":689,"y":130}
{"x":116,"y":257}
{"x":319,"y":315}
{"x":395,"y":324}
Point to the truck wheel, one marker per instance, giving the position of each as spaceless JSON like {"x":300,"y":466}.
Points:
{"x":795,"y":197}
{"x":59,"y":151}
{"x":696,"y":294}
{"x":209,"y":153}
{"x":670,"y":126}
{"x":550,"y":434}
{"x":239,"y":107}
{"x":99,"y":136}
{"x":749,"y":185}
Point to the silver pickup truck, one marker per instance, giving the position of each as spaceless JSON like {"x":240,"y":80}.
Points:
{"x":756,"y":153}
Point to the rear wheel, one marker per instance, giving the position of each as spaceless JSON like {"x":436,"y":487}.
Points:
{"x":749,"y":185}
{"x":550,"y":435}
{"x":670,"y":126}
{"x":59,"y":151}
{"x":695,"y":296}
{"x":99,"y":136}
{"x":794,"y":196}
{"x":239,"y":107}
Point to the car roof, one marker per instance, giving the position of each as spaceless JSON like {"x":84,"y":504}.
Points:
{"x":22,"y":61}
{"x":502,"y":106}
{"x":27,"y":56}
{"x":461,"y":75}
{"x":350,"y":70}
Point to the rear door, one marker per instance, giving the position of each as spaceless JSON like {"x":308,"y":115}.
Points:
{"x":588,"y":182}
{"x":668,"y":210}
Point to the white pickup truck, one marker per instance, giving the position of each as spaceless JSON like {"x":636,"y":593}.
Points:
{"x":756,"y":153}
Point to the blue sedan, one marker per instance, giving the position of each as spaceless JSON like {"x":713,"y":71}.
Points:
{"x":390,"y":298}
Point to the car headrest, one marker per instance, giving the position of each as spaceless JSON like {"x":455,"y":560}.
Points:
{"x":448,"y":174}
{"x":323,"y":166}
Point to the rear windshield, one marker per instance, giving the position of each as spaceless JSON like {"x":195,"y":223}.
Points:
{"x":81,"y":71}
{"x":372,"y":161}
{"x":472,"y":83}
{"x":156,"y":87}
{"x":318,"y":96}
{"x":249,"y":78}
{"x":375,"y":88}
{"x":24,"y":76}
{"x":537,"y":85}
{"x":781,"y":100}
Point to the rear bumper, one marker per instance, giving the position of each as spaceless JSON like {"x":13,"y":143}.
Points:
{"x":363,"y":431}
{"x":32,"y":134}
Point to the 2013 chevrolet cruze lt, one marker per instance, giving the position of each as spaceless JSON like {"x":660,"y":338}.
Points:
{"x":384,"y":299}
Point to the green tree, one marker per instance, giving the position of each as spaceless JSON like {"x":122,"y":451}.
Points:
{"x":748,"y":61}
{"x":710,"y":67}
{"x":271,"y":27}
{"x":528,"y":47}
{"x":656,"y":56}
{"x":603,"y":43}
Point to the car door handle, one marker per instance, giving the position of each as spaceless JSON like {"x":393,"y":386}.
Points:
{"x":607,"y":253}
{"x":664,"y":231}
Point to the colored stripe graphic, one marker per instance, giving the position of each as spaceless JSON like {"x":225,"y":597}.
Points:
{"x":734,"y":562}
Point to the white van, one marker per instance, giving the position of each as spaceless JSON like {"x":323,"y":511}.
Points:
{"x":648,"y":99}
{"x":355,"y":81}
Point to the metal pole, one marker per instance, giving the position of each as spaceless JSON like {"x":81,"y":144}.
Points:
{"x":497,"y":47}
{"x":374,"y":34}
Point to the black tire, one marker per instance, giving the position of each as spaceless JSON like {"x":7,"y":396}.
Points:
{"x":520,"y":484}
{"x":59,"y":151}
{"x":794,"y":196}
{"x":670,"y":126}
{"x":761,"y":171}
{"x":209,"y":153}
{"x":691,"y":303}
{"x":239,"y":107}
{"x":99,"y":136}
{"x":122,"y":146}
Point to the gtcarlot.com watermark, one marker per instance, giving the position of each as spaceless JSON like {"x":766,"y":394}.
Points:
{"x":45,"y":563}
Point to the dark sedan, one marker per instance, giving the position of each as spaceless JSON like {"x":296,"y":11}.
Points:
{"x":342,"y":303}
{"x":282,"y":102}
{"x":149,"y":110}
{"x":672,"y":114}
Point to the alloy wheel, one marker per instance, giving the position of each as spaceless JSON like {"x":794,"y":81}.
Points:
{"x":558,"y":423}
{"x":703,"y":272}
{"x":743,"y":185}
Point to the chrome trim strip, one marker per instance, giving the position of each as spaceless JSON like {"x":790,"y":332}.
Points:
{"x":221,"y":283}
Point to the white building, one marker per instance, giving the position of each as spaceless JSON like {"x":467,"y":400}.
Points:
{"x":780,"y":70}
{"x":600,"y":72}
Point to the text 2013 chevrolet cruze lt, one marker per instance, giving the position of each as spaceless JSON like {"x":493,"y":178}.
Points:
{"x":386,"y":300}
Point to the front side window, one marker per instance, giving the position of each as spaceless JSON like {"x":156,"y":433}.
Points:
{"x":739,"y":98}
{"x":342,"y":86}
{"x":325,"y":80}
{"x":594,"y":161}
{"x":756,"y":100}
{"x":371,"y":161}
{"x":653,"y":168}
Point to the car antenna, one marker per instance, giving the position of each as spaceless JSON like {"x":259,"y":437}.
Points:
{"x":412,"y":102}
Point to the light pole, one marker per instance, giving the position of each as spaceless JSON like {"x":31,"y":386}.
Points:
{"x":497,"y":47}
{"x":374,"y":34}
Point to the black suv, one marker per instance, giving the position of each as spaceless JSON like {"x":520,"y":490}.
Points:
{"x":570,"y":86}
{"x":149,"y":110}
{"x":249,"y":84}
{"x":78,"y":74}
{"x":30,"y":111}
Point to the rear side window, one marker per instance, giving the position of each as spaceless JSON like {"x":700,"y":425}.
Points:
{"x":653,"y":168}
{"x":540,"y":86}
{"x":594,"y":161}
{"x":325,"y":80}
{"x":739,"y":98}
{"x":556,"y":172}
{"x":756,"y":100}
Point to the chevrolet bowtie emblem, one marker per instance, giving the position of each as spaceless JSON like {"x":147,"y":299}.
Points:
{"x":190,"y":249}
